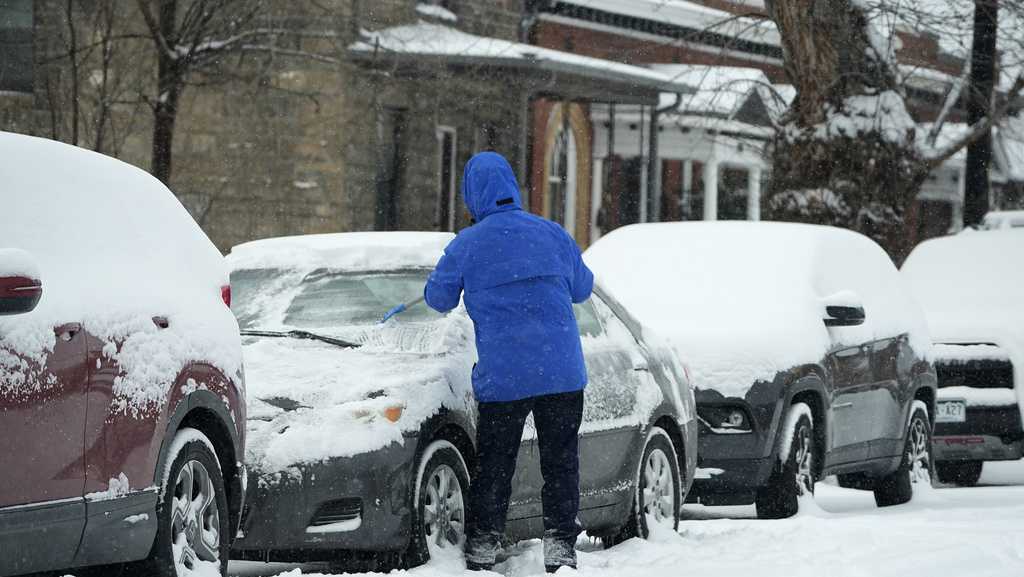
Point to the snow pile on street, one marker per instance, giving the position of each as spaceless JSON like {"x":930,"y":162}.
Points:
{"x":841,"y":533}
{"x":742,"y":301}
{"x":114,"y":248}
{"x":970,"y":286}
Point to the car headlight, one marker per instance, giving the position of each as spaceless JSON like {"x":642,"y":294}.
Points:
{"x":392,"y":413}
{"x":725,"y":419}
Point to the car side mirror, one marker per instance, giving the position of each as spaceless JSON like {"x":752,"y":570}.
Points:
{"x":843,"y":309}
{"x":20,"y":287}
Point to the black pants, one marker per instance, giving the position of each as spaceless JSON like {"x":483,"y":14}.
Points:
{"x":499,"y":432}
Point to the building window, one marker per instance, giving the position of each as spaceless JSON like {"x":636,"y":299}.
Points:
{"x":390,"y":166}
{"x":447,"y":144}
{"x":732,"y":194}
{"x":561,"y":198}
{"x":16,"y":45}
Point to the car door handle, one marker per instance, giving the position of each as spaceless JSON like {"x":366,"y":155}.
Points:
{"x":641,"y":366}
{"x":842,"y":406}
{"x":67,"y":331}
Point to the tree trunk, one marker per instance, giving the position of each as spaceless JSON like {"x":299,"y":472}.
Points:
{"x":170,"y":82}
{"x":979,"y":104}
{"x":845,"y":154}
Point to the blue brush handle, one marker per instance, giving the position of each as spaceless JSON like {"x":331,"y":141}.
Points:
{"x":401,"y":309}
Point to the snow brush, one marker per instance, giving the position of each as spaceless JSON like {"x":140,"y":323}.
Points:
{"x":400,"y":309}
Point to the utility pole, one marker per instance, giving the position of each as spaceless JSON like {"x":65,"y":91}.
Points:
{"x":979,"y":106}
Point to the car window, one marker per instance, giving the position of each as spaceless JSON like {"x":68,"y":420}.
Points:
{"x":357,"y":299}
{"x":586,"y":319}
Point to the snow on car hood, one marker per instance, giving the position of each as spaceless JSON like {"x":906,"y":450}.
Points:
{"x":742,"y":301}
{"x":310,"y":401}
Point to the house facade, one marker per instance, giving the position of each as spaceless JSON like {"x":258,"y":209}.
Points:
{"x":710,"y":160}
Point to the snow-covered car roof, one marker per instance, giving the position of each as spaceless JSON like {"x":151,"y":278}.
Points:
{"x":971,"y":285}
{"x":356,"y":251}
{"x":741,"y":301}
{"x":113,"y":247}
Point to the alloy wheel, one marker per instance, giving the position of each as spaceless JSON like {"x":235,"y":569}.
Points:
{"x":803,"y":445}
{"x":917,"y":453}
{"x":444,"y":511}
{"x":659,"y":488}
{"x":195,"y":519}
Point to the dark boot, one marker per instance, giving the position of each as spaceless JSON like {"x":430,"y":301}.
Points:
{"x":482,"y":550}
{"x":559,"y":552}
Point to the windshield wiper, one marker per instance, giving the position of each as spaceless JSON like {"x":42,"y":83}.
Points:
{"x":297,"y":334}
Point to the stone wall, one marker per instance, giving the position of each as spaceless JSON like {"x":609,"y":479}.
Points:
{"x":291,"y":144}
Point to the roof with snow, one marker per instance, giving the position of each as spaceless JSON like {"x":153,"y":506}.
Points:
{"x":711,"y":24}
{"x":426,"y":40}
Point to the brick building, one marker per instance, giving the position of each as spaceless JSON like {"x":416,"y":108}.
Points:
{"x":709,"y":160}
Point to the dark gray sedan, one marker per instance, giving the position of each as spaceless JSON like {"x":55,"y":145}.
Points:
{"x":361,"y":435}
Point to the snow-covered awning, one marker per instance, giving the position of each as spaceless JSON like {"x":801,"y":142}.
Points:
{"x":426,"y":41}
{"x":691,"y":15}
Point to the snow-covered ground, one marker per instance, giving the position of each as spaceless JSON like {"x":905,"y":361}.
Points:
{"x":949,"y":532}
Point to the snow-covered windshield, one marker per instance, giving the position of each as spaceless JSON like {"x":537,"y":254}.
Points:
{"x":323,"y":299}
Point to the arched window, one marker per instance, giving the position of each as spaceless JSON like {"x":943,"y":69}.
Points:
{"x":560,"y":203}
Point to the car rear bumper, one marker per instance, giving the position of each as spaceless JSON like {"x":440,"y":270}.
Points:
{"x":987,"y":434}
{"x":359,"y":503}
{"x":724,"y":479}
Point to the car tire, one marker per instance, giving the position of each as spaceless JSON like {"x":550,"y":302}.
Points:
{"x":440,"y":502}
{"x":916,"y":465}
{"x":189,"y":535}
{"x":793,"y":476}
{"x":658,"y":490}
{"x":960,"y":473}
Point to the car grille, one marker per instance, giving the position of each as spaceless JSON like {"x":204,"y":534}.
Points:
{"x":337,"y":511}
{"x":977,"y":374}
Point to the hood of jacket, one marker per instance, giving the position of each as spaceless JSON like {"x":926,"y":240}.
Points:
{"x":489,"y":186}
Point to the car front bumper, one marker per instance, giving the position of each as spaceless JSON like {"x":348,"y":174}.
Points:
{"x":987,"y":434}
{"x":358,"y":503}
{"x":730,"y":468}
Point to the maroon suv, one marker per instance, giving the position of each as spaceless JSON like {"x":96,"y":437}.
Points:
{"x":122,"y":410}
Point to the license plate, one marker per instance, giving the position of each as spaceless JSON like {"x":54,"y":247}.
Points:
{"x":951,"y":411}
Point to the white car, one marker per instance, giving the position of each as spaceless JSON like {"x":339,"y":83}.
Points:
{"x":972,"y":288}
{"x":1003,"y":219}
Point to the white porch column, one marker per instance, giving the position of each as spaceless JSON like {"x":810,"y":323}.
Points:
{"x":711,"y":190}
{"x":596,"y":194}
{"x":687,"y":189}
{"x":754,"y":193}
{"x":958,"y":206}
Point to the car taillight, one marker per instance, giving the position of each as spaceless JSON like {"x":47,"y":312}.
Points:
{"x":225,"y":294}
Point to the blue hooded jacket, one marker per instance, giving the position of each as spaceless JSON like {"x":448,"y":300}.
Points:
{"x":520,"y":274}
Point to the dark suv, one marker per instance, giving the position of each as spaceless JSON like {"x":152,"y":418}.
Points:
{"x":806,"y":352}
{"x":121,"y":403}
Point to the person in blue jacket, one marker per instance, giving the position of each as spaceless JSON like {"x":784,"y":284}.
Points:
{"x":520,"y":275}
